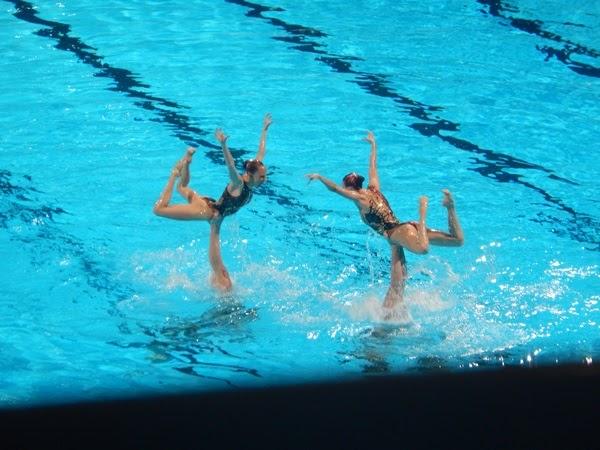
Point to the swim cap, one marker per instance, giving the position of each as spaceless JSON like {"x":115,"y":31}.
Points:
{"x":353,"y":180}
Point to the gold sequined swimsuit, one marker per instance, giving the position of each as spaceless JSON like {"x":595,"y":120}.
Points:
{"x":380,"y":216}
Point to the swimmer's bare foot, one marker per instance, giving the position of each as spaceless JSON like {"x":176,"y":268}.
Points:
{"x":184,"y":168}
{"x":456,"y":234}
{"x":187,"y":158}
{"x":190,"y":152}
{"x":448,"y":201}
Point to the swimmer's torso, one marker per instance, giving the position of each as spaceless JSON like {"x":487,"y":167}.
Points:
{"x":228,"y":204}
{"x":378,"y":215}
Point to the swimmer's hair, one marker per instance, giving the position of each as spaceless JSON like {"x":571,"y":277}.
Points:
{"x":252,"y":165}
{"x":353,"y":181}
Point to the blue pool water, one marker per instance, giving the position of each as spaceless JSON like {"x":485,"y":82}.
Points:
{"x":497,"y":101}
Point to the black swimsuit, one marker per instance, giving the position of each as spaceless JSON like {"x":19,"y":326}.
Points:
{"x":228,"y":204}
{"x":379,"y":216}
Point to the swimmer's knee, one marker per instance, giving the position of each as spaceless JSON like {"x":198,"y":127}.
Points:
{"x":456,"y":242}
{"x":186,"y":192}
{"x":158,"y":209}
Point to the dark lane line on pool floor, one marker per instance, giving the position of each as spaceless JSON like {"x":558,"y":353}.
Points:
{"x":488,"y":163}
{"x":499,"y":8}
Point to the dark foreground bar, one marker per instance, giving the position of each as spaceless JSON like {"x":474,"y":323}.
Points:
{"x":542,"y":408}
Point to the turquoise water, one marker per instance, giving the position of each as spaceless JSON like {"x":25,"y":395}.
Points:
{"x":497,"y":101}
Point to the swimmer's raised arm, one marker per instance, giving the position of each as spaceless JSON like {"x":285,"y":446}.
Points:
{"x":347,"y":193}
{"x":262,"y":145}
{"x":373,"y":176}
{"x":234,"y":176}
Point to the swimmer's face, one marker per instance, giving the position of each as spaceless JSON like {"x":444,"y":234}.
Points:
{"x":256,"y":171}
{"x":259,"y":176}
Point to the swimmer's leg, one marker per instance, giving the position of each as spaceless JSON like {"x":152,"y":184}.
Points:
{"x":199,"y":209}
{"x":455,"y":236}
{"x":412,"y":235}
{"x":395,"y":293}
{"x":220,"y":277}
{"x":184,"y":180}
{"x":422,"y":238}
{"x":165,"y":197}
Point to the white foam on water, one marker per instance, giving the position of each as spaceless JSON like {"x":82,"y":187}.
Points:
{"x":184,"y":268}
{"x":371,"y":309}
{"x":428,"y":300}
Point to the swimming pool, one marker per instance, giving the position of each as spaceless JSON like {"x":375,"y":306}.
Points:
{"x":497,"y":101}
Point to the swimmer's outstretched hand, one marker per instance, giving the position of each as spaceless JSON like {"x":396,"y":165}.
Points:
{"x":313,"y":176}
{"x":267,"y":121}
{"x":370,"y":137}
{"x":221,"y":137}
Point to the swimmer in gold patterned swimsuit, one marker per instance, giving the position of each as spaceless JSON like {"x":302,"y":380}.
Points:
{"x":375,"y":211}
{"x":237,"y":193}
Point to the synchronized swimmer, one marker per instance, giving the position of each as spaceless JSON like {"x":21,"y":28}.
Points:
{"x":237,"y":193}
{"x":372,"y":205}
{"x":376,"y":212}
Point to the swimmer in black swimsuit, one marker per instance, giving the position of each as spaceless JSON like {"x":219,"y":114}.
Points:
{"x":237,"y":193}
{"x":375,"y":211}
